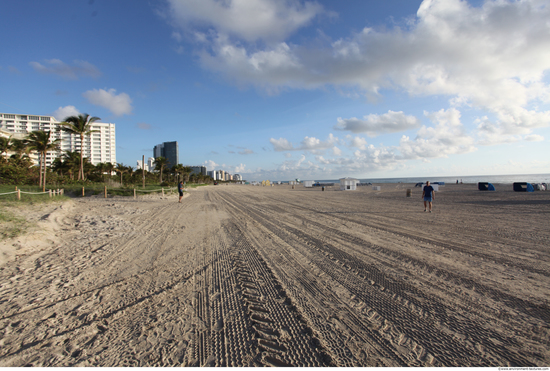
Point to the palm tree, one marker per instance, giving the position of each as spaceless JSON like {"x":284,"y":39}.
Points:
{"x":100,"y":168}
{"x":178,"y":169}
{"x":21,"y":148}
{"x":130,"y":171}
{"x":57,"y":166}
{"x":160,"y":164}
{"x":187,"y":172}
{"x":120,"y":168}
{"x":71,"y":162}
{"x":109,"y":168}
{"x":80,"y":125}
{"x":88,"y":168}
{"x":5,"y":145}
{"x":40,"y":142}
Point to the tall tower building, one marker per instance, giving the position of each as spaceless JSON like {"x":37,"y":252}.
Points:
{"x":170,"y":150}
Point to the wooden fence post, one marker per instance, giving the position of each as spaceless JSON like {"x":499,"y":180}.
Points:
{"x":134,"y":193}
{"x":19,"y":195}
{"x":50,"y":192}
{"x":82,"y":191}
{"x":105,"y":191}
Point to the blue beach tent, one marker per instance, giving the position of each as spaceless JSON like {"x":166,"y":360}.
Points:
{"x":523,"y":187}
{"x":484,"y":186}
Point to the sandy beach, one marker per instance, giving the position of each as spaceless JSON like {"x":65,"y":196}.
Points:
{"x":273,"y":276}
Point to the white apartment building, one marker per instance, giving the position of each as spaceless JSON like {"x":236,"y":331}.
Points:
{"x":149,"y":165}
{"x":98,"y":147}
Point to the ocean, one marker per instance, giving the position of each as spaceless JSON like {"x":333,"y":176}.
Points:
{"x":496,"y":179}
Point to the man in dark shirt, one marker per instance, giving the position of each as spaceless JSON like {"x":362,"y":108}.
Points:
{"x":180,"y":190}
{"x":428,"y":194}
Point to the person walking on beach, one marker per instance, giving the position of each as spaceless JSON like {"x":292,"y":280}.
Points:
{"x":428,"y":194}
{"x":180,"y":190}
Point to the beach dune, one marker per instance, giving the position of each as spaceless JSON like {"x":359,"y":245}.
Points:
{"x":275,"y":276}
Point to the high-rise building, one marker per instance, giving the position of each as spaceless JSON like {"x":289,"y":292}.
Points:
{"x":169,"y":150}
{"x":198,"y":170}
{"x":97,"y":147}
{"x":149,"y":165}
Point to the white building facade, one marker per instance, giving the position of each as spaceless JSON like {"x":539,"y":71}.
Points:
{"x":149,"y":165}
{"x":98,"y":147}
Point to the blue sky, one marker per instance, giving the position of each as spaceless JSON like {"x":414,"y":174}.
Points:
{"x":284,"y":89}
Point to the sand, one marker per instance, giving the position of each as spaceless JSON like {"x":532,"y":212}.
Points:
{"x":275,"y":276}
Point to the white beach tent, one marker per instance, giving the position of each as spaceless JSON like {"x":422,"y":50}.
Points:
{"x":348,"y":184}
{"x":434,"y":186}
{"x":308,"y":183}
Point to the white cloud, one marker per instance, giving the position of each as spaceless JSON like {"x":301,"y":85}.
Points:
{"x":250,"y":20}
{"x":211,"y":165}
{"x":308,"y":144}
{"x":492,"y":57}
{"x":374,"y":125}
{"x":241,"y":168}
{"x":446,"y":137}
{"x":490,"y":133}
{"x":120,"y":104}
{"x":63,"y":112}
{"x":534,"y":138}
{"x":357,"y":142}
{"x":281,"y":144}
{"x":58,"y":67}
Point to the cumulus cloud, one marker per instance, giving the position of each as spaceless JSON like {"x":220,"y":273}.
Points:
{"x":241,"y":168}
{"x":70,"y":72}
{"x":534,"y":138}
{"x":374,"y":125}
{"x":63,"y":112}
{"x":357,"y":142}
{"x":249,"y":20}
{"x":492,"y":57}
{"x":490,"y":133}
{"x":211,"y":165}
{"x":447,"y":137}
{"x":120,"y":104}
{"x":307,"y":144}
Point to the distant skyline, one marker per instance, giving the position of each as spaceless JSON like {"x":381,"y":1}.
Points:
{"x":285,"y":89}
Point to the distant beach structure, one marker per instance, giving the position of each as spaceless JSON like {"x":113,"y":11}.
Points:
{"x":435,"y":186}
{"x":348,"y":184}
{"x":485,"y":186}
{"x":523,"y":187}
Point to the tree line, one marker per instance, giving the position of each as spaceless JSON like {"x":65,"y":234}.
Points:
{"x":72,"y":167}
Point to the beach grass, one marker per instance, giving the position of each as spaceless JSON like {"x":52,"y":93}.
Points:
{"x":12,"y":225}
{"x":29,"y":195}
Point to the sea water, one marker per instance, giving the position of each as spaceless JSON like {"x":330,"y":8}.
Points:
{"x":495,"y":179}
